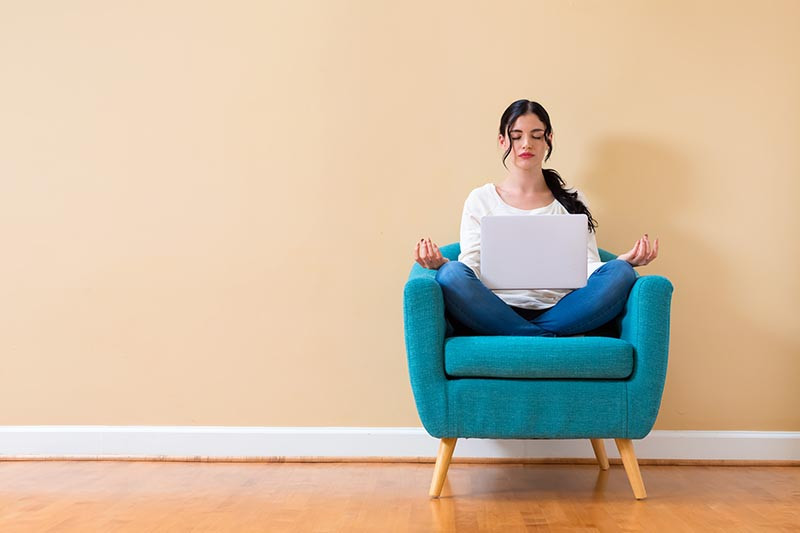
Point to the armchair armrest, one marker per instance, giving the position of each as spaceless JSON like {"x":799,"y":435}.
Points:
{"x":424,"y":325}
{"x":606,"y":256}
{"x":645,"y":324}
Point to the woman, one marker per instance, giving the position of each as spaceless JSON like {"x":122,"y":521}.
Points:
{"x":527,"y":135}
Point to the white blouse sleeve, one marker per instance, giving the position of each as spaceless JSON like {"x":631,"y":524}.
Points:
{"x":592,"y":253}
{"x":470,"y":236}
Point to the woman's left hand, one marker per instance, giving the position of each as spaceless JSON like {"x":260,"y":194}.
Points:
{"x":642,"y":252}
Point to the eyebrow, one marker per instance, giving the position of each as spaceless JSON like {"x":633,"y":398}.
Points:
{"x":520,"y":131}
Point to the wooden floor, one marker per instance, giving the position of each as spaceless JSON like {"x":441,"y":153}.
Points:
{"x":107,"y":496}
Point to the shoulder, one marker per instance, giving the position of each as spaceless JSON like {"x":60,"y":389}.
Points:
{"x":482,"y":196}
{"x":573,"y":191}
{"x":582,"y":197}
{"x":484,"y":191}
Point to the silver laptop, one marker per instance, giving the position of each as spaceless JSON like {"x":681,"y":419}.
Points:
{"x":534,"y":251}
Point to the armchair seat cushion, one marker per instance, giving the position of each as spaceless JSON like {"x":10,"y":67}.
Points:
{"x":538,"y":357}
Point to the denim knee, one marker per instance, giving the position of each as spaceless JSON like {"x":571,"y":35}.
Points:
{"x":622,"y":272}
{"x":450,"y":273}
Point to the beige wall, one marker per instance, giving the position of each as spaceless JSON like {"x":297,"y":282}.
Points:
{"x":208,"y":211}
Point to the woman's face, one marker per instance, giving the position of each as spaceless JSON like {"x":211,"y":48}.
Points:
{"x":528,"y":142}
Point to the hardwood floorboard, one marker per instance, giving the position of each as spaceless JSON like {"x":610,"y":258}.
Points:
{"x":85,"y":496}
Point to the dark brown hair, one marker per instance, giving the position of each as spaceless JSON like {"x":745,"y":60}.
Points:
{"x":566,"y":197}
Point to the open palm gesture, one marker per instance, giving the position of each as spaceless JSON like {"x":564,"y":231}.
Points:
{"x":642,"y":252}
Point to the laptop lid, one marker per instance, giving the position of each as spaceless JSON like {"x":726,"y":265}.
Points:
{"x":534,"y":251}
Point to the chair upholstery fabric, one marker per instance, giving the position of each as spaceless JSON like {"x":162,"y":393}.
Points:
{"x":538,"y":357}
{"x":529,"y":388}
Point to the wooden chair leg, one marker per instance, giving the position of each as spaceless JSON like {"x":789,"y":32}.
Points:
{"x":625,"y":447}
{"x":600,"y":452}
{"x":446,"y":448}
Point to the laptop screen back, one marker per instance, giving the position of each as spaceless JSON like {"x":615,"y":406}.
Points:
{"x":534,"y":251}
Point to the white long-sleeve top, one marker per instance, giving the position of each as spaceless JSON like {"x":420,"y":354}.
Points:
{"x":485,"y":201}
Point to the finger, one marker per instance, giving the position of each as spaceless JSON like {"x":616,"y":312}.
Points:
{"x":645,"y":248}
{"x":436,"y":251}
{"x":435,"y":258}
{"x":633,"y":250}
{"x":416,"y":251}
{"x":636,"y":249}
{"x":431,"y":256}
{"x":641,"y":253}
{"x":653,"y":252}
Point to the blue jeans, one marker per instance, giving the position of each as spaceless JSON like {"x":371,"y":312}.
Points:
{"x":470,"y":305}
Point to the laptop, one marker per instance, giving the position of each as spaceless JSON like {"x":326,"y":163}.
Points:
{"x":534,"y":251}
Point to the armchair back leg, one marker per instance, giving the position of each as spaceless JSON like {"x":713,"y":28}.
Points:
{"x":600,"y":452}
{"x":625,"y":447}
{"x":446,"y":448}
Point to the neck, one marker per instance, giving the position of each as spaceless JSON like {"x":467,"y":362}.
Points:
{"x":526,"y":181}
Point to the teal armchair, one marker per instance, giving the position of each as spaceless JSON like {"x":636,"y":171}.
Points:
{"x":502,"y":387}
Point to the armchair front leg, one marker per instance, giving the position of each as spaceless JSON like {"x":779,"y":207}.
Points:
{"x":442,"y":464}
{"x":625,"y":447}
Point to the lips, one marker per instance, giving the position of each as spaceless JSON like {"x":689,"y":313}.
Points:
{"x":526,"y":155}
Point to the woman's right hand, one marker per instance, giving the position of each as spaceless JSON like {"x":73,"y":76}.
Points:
{"x":427,"y":254}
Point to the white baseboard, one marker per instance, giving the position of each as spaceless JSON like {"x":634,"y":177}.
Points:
{"x":221,"y":442}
